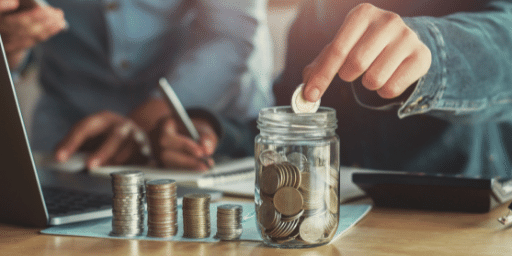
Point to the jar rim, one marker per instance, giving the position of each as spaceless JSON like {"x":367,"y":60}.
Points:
{"x":284,"y":117}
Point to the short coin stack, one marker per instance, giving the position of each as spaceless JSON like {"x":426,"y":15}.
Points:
{"x":196,"y":215}
{"x":161,"y":196}
{"x":229,"y":222}
{"x":128,"y":203}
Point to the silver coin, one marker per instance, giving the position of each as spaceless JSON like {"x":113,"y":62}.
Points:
{"x":301,"y":105}
{"x":268,"y":157}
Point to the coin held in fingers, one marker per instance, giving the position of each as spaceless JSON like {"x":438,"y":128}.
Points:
{"x":301,"y":105}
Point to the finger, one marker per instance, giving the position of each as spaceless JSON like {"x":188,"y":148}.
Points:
{"x":208,"y":139}
{"x":377,"y":36}
{"x":88,"y":128}
{"x":337,"y":51}
{"x":308,"y":70}
{"x":409,"y":71}
{"x":24,"y":30}
{"x":180,"y":160}
{"x":172,"y":140}
{"x":125,"y":153}
{"x":49,"y":22}
{"x":184,"y":144}
{"x":116,"y":138}
{"x":8,"y":5}
{"x":387,"y":62}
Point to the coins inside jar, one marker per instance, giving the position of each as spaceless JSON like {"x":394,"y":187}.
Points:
{"x":299,"y":200}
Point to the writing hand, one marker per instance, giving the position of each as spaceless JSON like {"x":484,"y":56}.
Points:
{"x":173,"y":147}
{"x":372,"y":43}
{"x":122,"y":141}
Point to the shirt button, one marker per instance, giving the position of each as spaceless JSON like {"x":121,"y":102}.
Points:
{"x":112,"y":6}
{"x":125,"y":64}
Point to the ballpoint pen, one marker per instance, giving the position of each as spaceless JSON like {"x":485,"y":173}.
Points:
{"x":175,"y":103}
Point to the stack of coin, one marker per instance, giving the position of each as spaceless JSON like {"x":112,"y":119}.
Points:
{"x":229,"y":222}
{"x":161,"y":196}
{"x":128,"y":203}
{"x":196,"y":215}
{"x":299,"y":198}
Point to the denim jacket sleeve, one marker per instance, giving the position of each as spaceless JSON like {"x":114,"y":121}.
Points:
{"x":470,"y":78}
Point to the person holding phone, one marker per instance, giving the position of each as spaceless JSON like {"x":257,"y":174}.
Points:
{"x":100,"y":62}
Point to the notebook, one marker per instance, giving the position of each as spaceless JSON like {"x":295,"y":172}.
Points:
{"x":234,"y":177}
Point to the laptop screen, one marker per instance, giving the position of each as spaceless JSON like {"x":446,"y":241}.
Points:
{"x":21,"y":200}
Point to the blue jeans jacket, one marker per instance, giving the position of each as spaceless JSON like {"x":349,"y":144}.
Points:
{"x":458,"y":117}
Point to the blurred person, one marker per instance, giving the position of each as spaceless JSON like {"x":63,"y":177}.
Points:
{"x":418,"y":86}
{"x":100,"y":62}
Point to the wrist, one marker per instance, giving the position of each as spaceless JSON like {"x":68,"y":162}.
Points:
{"x":15,"y":59}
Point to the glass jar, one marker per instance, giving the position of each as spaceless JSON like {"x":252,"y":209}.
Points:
{"x":297,"y":178}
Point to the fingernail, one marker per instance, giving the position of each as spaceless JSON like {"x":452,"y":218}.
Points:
{"x":209,"y":146}
{"x":314,"y":94}
{"x":199,"y":153}
{"x":94,"y":164}
{"x":8,"y":4}
{"x":62,"y":155}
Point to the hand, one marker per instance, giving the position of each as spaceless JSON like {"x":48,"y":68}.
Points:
{"x":376,"y":44}
{"x":23,"y":29}
{"x":122,"y":141}
{"x":174,"y":148}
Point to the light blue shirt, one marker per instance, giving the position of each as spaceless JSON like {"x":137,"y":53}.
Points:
{"x":216,"y":54}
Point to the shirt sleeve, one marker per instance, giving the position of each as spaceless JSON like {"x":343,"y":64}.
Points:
{"x":470,"y":78}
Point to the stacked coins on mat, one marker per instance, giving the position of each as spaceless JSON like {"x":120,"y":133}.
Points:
{"x":196,"y":215}
{"x":128,"y":203}
{"x":229,"y":222}
{"x":161,"y":196}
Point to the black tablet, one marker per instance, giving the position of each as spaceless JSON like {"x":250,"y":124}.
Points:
{"x":434,"y":192}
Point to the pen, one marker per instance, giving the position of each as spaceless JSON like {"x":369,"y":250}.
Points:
{"x":174,"y":102}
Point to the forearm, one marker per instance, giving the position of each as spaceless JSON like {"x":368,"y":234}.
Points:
{"x":469,"y":79}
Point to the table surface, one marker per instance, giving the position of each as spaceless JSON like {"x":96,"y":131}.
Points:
{"x":383,"y":231}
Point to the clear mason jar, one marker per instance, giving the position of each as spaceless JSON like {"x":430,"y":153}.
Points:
{"x":297,"y":178}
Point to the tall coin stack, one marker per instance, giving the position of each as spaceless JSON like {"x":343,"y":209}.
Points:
{"x":128,"y":203}
{"x":196,"y":215}
{"x":161,"y":197}
{"x":229,"y":222}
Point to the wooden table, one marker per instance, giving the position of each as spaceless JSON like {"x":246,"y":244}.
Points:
{"x":383,"y":231}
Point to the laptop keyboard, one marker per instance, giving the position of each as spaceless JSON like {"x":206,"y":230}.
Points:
{"x":63,"y":202}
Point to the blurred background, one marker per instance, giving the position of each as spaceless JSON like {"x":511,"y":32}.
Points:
{"x":281,"y":14}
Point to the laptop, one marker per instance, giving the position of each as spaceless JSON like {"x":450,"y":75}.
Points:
{"x":38,"y":196}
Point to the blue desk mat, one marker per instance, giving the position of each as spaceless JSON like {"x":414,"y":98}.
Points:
{"x":350,"y":214}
